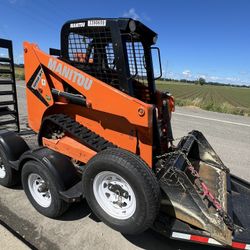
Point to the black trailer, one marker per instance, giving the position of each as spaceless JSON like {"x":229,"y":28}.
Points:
{"x":15,"y":153}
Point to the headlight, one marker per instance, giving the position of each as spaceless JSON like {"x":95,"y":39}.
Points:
{"x":155,"y":39}
{"x":132,"y":25}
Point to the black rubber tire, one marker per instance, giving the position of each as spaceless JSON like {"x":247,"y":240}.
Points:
{"x":57,"y":206}
{"x":12,"y":176}
{"x":139,"y":176}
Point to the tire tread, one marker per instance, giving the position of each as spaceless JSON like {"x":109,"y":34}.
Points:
{"x":141,"y":169}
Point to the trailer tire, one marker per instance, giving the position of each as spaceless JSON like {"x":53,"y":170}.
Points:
{"x":8,"y":175}
{"x":127,"y":174}
{"x":41,"y":188}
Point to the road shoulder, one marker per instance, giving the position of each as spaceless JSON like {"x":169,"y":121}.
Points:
{"x":9,"y":241}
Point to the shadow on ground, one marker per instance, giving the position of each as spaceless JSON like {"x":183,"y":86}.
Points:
{"x":76,"y":211}
{"x":150,"y":239}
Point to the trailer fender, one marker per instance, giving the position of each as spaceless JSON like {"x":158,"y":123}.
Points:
{"x":59,"y":165}
{"x":13,"y":146}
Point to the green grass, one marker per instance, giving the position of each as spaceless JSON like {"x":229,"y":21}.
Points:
{"x":224,"y":99}
{"x":19,"y":72}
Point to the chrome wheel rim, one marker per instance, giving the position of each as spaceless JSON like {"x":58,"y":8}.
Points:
{"x":114,"y":194}
{"x":39,"y":190}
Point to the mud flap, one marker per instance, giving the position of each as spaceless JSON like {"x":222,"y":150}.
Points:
{"x":196,"y":187}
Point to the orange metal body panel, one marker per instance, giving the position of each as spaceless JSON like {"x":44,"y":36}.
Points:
{"x":114,"y":115}
{"x":35,"y":108}
{"x":70,"y":147}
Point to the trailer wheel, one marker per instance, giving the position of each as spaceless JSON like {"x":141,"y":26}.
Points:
{"x":41,"y":188}
{"x":121,"y":190}
{"x":8,"y":176}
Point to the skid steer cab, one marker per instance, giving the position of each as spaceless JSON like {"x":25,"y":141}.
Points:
{"x":104,"y":133}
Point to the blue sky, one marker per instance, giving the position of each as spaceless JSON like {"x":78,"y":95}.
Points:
{"x":197,"y":38}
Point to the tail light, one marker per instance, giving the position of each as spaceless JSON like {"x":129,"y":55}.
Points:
{"x":171,"y":103}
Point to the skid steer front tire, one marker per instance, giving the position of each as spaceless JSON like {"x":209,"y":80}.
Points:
{"x":121,"y":190}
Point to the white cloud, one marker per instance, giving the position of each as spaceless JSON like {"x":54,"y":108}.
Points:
{"x":202,"y":76}
{"x":187,"y":73}
{"x":131,"y":14}
{"x":214,"y":78}
{"x":230,"y":79}
{"x":191,"y":75}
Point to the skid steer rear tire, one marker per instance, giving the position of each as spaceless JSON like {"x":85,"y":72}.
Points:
{"x":125,"y":173}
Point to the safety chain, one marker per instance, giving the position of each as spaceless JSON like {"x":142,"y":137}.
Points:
{"x":167,"y":154}
{"x":172,"y":178}
{"x":203,"y":189}
{"x":222,"y":167}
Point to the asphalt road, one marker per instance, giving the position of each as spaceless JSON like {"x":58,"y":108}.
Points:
{"x":228,"y":134}
{"x":79,"y":228}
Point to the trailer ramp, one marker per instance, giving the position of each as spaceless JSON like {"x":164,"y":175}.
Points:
{"x":9,"y":118}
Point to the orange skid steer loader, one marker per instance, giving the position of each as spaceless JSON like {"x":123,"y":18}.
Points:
{"x":104,"y":134}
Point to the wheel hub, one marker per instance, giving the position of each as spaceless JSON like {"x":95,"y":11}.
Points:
{"x":2,"y":169}
{"x":118,"y":190}
{"x":114,"y":195}
{"x":43,"y":188}
{"x":39,"y":190}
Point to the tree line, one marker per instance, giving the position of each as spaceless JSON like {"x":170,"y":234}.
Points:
{"x":202,"y":81}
